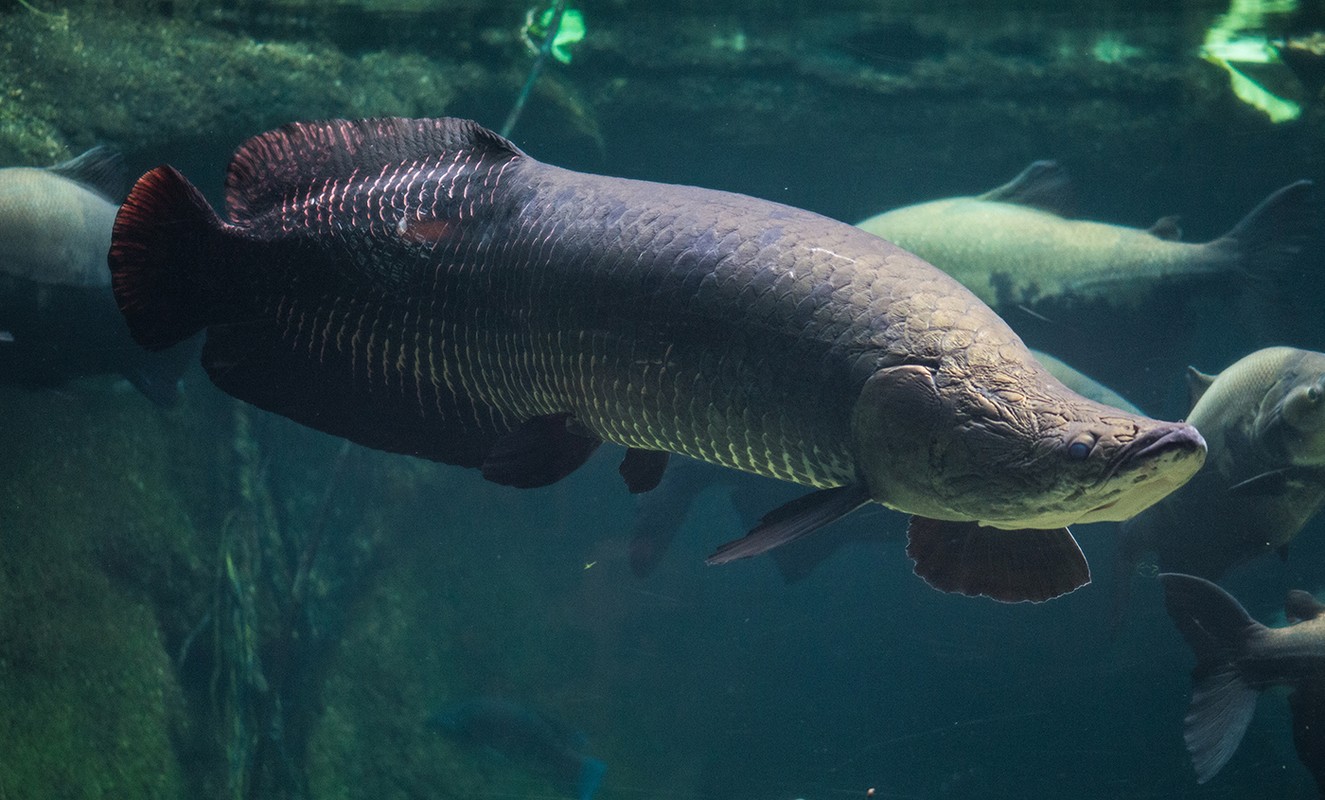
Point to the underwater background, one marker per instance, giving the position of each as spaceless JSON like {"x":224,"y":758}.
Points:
{"x":211,"y":601}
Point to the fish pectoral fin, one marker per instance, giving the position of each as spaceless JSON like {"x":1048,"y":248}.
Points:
{"x":1275,"y":482}
{"x":793,"y":520}
{"x":1266,"y":484}
{"x":1008,"y":566}
{"x":540,"y":451}
{"x":642,"y":470}
{"x":1043,"y":185}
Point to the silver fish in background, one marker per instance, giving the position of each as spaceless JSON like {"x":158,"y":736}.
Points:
{"x":1264,"y":478}
{"x":1237,"y":658}
{"x":1013,"y":247}
{"x":425,"y":287}
{"x":530,"y":738}
{"x":58,"y":318}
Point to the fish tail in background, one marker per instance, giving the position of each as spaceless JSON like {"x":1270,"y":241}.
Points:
{"x":1267,"y":241}
{"x":165,"y":241}
{"x":1217,"y":628}
{"x":591,"y":775}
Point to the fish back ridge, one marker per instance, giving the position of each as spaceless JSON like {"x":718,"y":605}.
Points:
{"x":272,"y":170}
{"x":165,"y":239}
{"x":1269,"y":238}
{"x":1218,"y":629}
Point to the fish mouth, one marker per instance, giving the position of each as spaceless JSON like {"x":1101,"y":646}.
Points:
{"x":1173,"y":441}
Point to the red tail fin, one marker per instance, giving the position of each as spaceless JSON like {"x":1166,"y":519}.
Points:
{"x":163,"y":244}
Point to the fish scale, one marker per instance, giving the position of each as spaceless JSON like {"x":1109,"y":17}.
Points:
{"x":674,"y":247}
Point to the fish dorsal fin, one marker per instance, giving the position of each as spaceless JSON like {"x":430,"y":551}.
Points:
{"x":1197,"y":383}
{"x":273,"y":167}
{"x":1044,"y":185}
{"x":1301,"y":606}
{"x":100,"y":168}
{"x":1166,"y":228}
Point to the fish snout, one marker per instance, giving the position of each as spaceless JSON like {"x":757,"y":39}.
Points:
{"x":1178,"y":439}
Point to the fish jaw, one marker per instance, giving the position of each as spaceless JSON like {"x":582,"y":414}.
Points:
{"x":1150,"y":468}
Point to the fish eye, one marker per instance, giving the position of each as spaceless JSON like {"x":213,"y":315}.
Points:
{"x":1313,"y":393}
{"x":1080,"y":449}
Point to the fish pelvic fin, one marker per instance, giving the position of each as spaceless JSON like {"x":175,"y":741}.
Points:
{"x":162,"y":246}
{"x":1007,"y":566}
{"x":1268,"y":240}
{"x":1217,"y":628}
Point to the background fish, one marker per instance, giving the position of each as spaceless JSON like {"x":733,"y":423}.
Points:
{"x":423,"y":286}
{"x":1012,"y":247}
{"x":58,"y":318}
{"x":1237,"y":658}
{"x":1264,"y":420}
{"x":537,"y":741}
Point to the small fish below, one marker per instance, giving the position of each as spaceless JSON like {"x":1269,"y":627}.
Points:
{"x":58,"y":318}
{"x":1016,"y":248}
{"x":423,"y":286}
{"x":532,"y":739}
{"x":1263,"y":419}
{"x":1236,"y":659}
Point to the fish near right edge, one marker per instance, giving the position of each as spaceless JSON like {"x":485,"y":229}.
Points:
{"x":1236,"y":659}
{"x":425,"y":287}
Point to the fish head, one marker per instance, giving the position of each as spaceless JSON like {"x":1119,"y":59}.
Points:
{"x":1013,"y":448}
{"x":1294,"y":419}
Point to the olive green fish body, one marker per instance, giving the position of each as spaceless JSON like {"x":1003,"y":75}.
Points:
{"x":1015,"y":250}
{"x":1012,"y":255}
{"x":1264,"y":421}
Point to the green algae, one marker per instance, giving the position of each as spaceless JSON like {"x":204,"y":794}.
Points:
{"x":88,"y":701}
{"x":137,"y":82}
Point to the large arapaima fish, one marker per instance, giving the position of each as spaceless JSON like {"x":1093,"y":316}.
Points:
{"x":424,"y":287}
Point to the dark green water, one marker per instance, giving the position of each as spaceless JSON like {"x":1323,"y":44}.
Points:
{"x":212,"y":601}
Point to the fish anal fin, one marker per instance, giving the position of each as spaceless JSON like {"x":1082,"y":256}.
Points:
{"x":1197,"y":383}
{"x":793,"y":520}
{"x":642,"y":470}
{"x":540,"y":451}
{"x":1008,"y":566}
{"x":1166,"y":228}
{"x":1043,"y":185}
